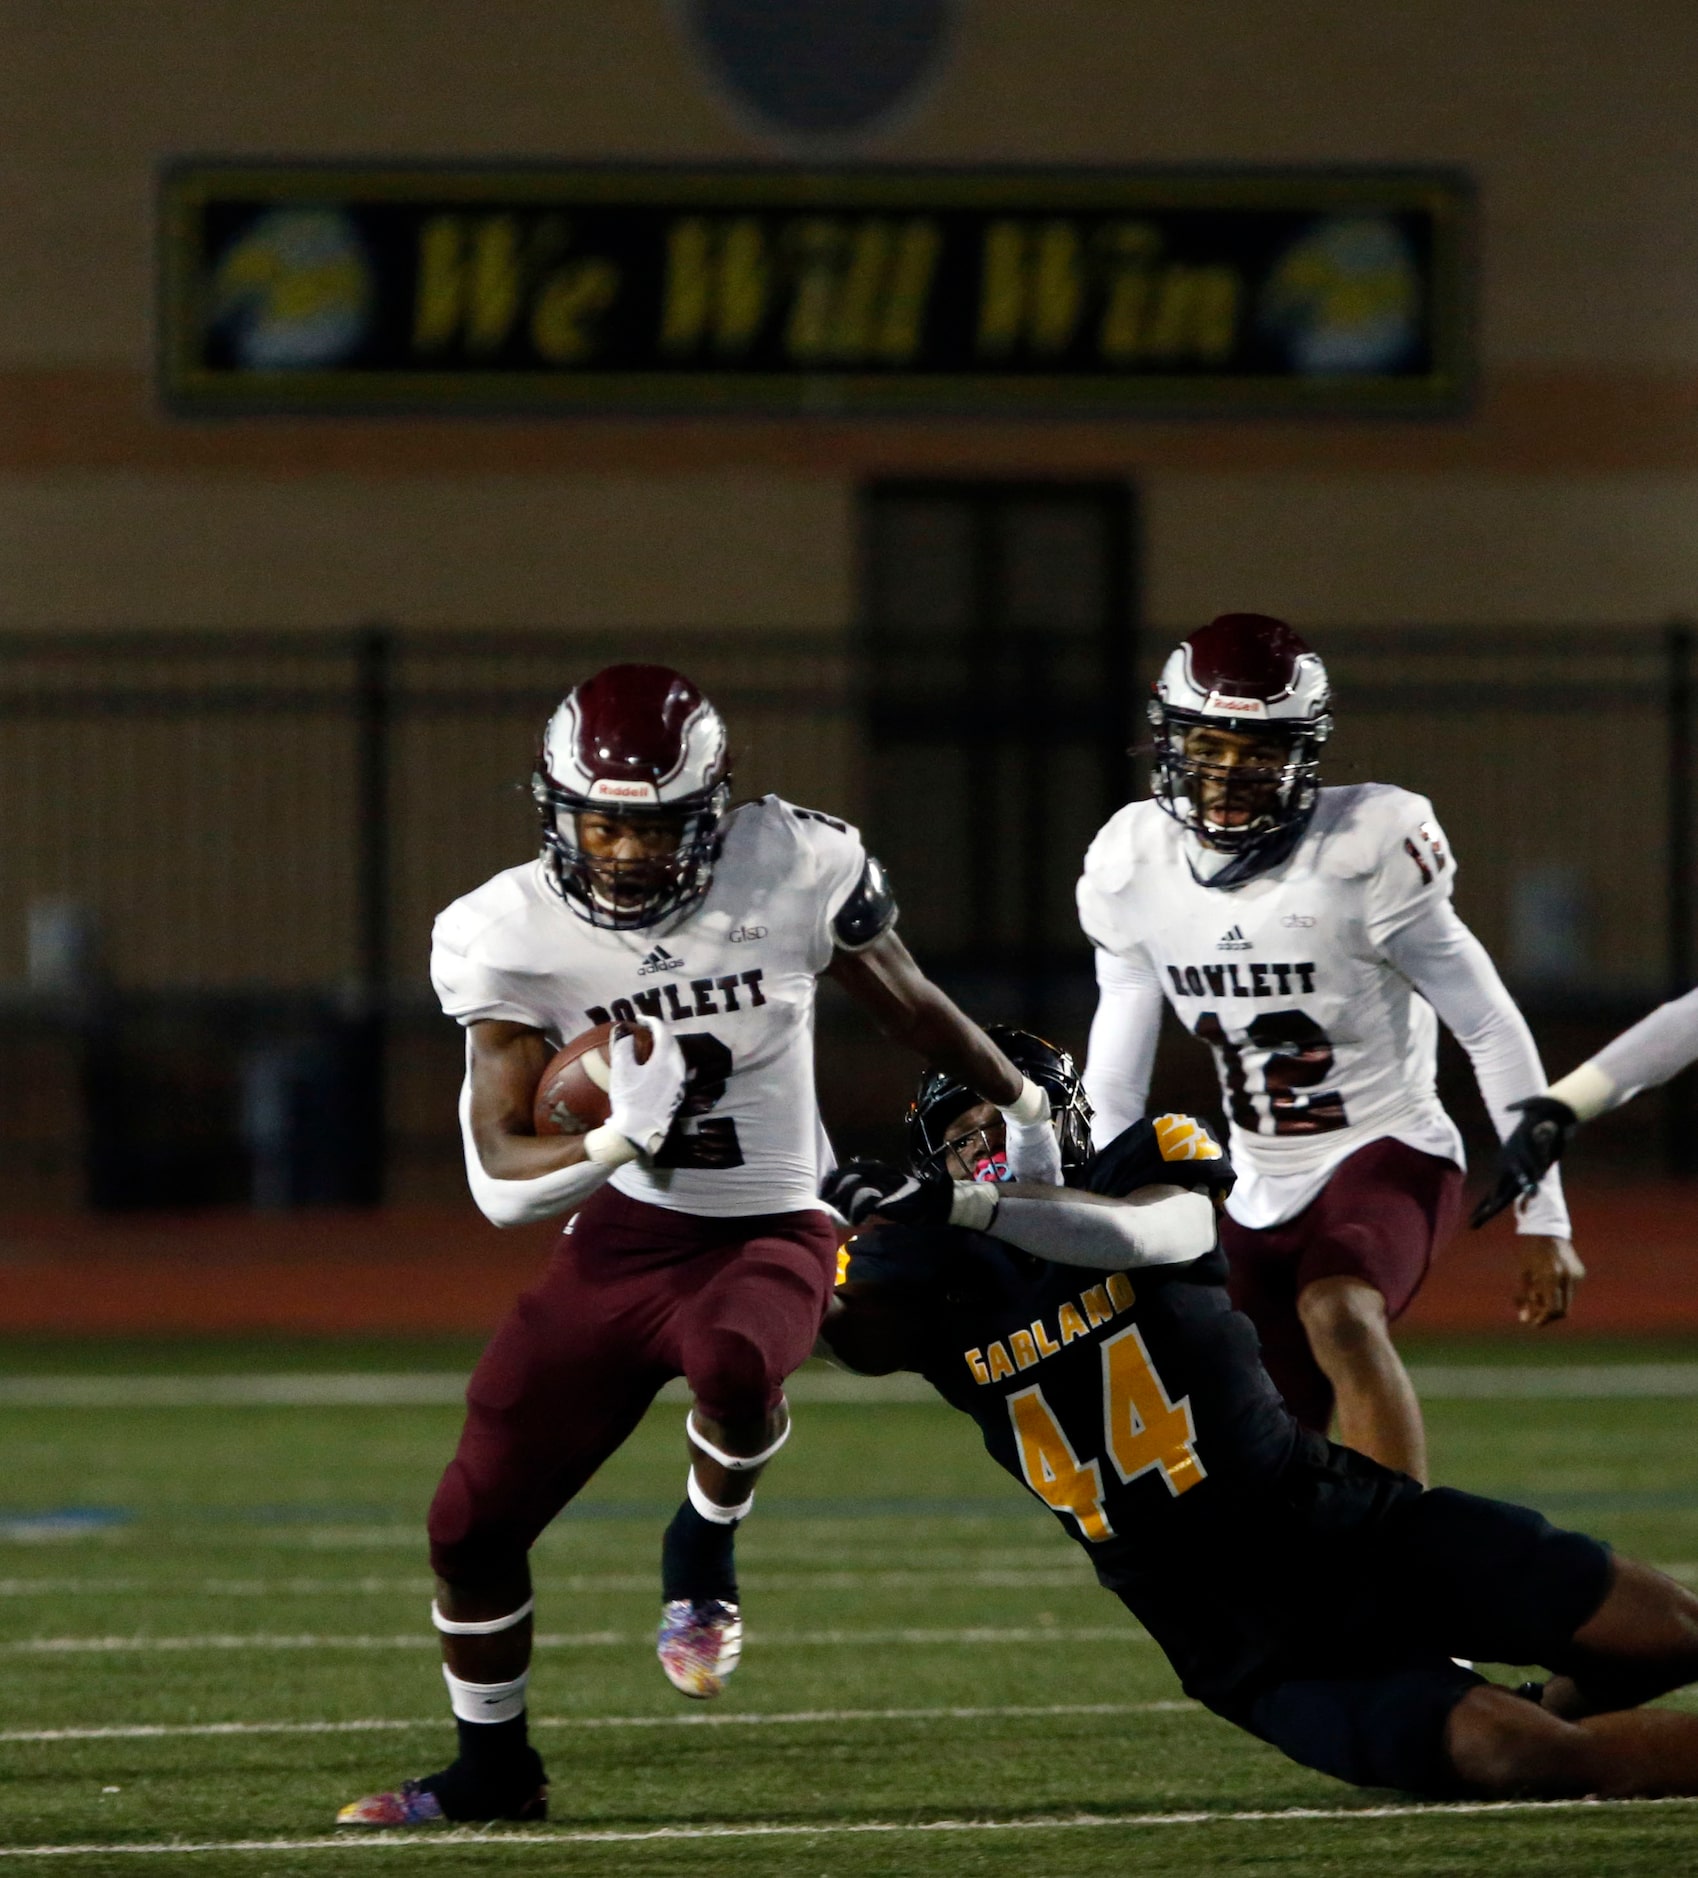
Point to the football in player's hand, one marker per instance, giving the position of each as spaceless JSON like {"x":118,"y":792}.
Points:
{"x":571,"y":1099}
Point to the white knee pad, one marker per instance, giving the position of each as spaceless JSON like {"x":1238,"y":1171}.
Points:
{"x":487,"y":1627}
{"x":736,"y":1463}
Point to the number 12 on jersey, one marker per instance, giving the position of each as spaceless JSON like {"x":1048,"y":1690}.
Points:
{"x":1145,"y":1431}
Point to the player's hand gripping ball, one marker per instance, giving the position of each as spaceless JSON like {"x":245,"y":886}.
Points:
{"x":573,"y":1096}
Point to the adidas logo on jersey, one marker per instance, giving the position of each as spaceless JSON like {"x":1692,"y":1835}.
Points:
{"x":1232,"y":940}
{"x":659,"y":960}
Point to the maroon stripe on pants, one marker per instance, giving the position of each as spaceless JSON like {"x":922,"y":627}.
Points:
{"x":634,"y":1295}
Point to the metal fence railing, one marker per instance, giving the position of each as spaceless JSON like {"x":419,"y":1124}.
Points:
{"x":220,"y":856}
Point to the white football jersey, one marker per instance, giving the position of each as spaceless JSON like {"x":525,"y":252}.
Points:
{"x":735,"y":974}
{"x":1321,"y":1043}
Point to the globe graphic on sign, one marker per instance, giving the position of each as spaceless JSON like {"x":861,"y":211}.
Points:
{"x":294,"y":289}
{"x":1345,"y":298}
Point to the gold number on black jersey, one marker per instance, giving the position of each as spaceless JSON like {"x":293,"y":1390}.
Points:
{"x":1299,"y":1057}
{"x":1145,"y":1431}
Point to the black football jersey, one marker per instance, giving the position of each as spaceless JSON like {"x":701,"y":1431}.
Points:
{"x":1134,"y":1405}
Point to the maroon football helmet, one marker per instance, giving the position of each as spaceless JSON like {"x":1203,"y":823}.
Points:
{"x":639,"y":745}
{"x":1242,"y":672}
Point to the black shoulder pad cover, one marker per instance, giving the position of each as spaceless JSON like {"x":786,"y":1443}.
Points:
{"x":870,"y":910}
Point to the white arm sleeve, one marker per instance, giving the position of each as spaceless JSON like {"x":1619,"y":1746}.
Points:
{"x":1450,"y":968}
{"x":1122,"y":1050}
{"x":1155,"y":1226}
{"x":1653,"y":1050}
{"x":522,"y":1202}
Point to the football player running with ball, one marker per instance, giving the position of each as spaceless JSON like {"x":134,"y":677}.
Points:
{"x":697,"y":1246}
{"x":1307,"y":935}
{"x":1300,"y":1590}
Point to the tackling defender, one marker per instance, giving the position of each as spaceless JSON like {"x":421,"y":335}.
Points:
{"x":1645,"y":1055}
{"x":697,"y":1245}
{"x":1307,"y":935}
{"x":1300,"y":1590}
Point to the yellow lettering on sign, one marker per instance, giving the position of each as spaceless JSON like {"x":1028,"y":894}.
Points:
{"x":976,"y":1363}
{"x":567,"y":306}
{"x":1025,"y":1352}
{"x":1051,"y":1467}
{"x":1047,"y":1345}
{"x":1145,"y":1430}
{"x":1071,"y":1323}
{"x":1097,"y":1307}
{"x":1195,"y":315}
{"x":718,"y":280}
{"x":999,"y":1363}
{"x":1031,"y":288}
{"x":908,"y":289}
{"x":471,"y":282}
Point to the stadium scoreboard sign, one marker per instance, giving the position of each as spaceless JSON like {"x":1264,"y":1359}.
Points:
{"x":352,"y":289}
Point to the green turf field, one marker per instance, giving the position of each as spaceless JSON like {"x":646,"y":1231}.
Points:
{"x":234,"y":1593}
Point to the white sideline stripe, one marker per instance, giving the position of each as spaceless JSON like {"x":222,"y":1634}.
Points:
{"x":524,"y":1837}
{"x":1481,"y":1382}
{"x":799,"y":1718}
{"x":569,"y":1640}
{"x":364,"y":1389}
{"x":1437,"y":1382}
{"x":1055,"y":1578}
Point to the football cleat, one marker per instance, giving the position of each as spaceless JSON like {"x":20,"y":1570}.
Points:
{"x":701,"y":1641}
{"x":409,"y":1805}
{"x":414,"y":1804}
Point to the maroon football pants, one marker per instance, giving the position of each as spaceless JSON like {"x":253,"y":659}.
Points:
{"x":1381,"y":1216}
{"x":634,"y":1295}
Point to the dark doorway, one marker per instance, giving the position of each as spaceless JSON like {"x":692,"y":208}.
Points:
{"x":999,"y":628}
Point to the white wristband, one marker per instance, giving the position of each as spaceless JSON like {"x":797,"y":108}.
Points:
{"x":1586,"y":1090}
{"x":973,"y":1204}
{"x":1030,"y":1105}
{"x":607,"y":1147}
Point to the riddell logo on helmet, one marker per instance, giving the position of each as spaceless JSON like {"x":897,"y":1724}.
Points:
{"x":609,"y":789}
{"x":1223,"y":701}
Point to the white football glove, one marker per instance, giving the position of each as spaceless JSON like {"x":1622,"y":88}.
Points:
{"x":1032,"y":1149}
{"x":644,"y":1097}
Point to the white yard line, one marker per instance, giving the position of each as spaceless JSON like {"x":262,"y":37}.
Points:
{"x":371,"y":1389}
{"x":1127,"y":1632}
{"x":523,"y":1838}
{"x":826,"y":1579}
{"x":800,"y":1718}
{"x":445,"y":1388}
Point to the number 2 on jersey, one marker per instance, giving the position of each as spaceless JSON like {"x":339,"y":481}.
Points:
{"x":1145,"y":1431}
{"x":713,"y":1142}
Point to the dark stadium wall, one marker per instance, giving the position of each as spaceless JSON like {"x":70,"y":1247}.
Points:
{"x":1568,"y":493}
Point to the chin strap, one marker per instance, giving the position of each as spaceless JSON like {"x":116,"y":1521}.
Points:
{"x":1258,"y":858}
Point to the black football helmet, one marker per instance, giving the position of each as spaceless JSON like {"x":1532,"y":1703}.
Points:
{"x":942,"y":1098}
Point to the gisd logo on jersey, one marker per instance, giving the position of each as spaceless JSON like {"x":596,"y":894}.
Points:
{"x":1180,"y":1138}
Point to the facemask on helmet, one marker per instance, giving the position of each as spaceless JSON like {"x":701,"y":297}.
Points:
{"x":632,"y":785}
{"x":936,"y":1144}
{"x":1241,"y":711}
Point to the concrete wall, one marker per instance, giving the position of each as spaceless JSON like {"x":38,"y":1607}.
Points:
{"x":1566,"y":494}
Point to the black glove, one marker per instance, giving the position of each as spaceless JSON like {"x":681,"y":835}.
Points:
{"x":859,"y":1189}
{"x":1528,"y":1154}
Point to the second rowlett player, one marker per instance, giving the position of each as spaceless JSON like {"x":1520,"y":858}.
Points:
{"x":1307,"y":936}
